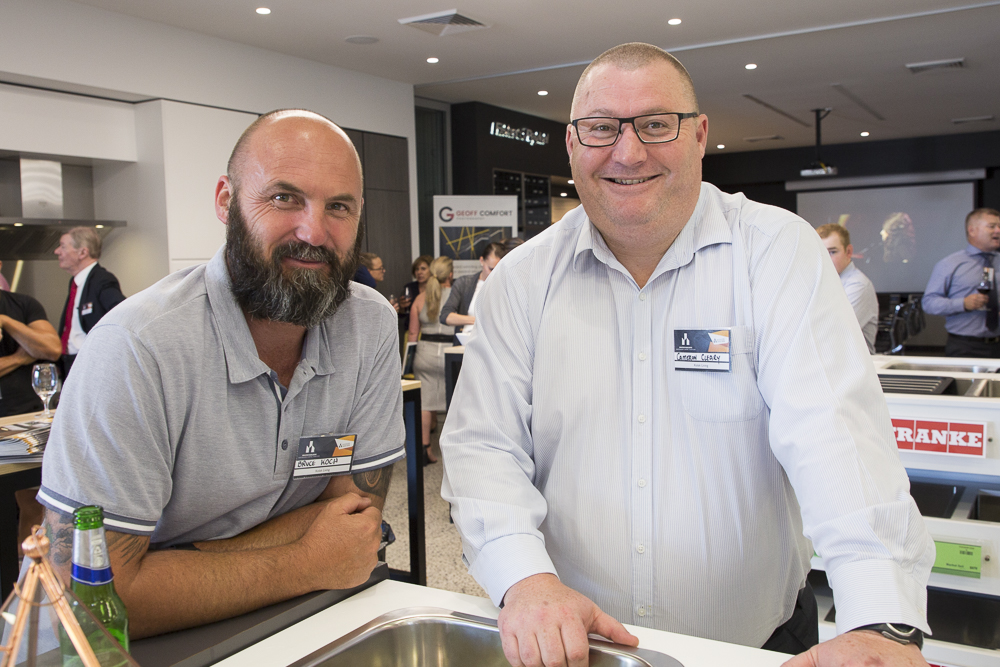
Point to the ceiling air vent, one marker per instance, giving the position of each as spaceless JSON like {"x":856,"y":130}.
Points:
{"x":917,"y":68}
{"x":444,"y":23}
{"x":769,"y":137}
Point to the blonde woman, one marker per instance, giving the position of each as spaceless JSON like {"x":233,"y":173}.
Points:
{"x":434,"y":337}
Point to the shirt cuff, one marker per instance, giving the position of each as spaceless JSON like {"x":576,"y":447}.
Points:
{"x":870,"y":592}
{"x":508,"y":560}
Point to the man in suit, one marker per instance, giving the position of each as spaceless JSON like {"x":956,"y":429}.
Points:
{"x":458,"y":310}
{"x":93,"y":290}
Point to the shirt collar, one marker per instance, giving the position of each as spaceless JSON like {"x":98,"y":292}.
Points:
{"x":237,"y":343}
{"x":81,"y":276}
{"x":973,"y":251}
{"x":707,"y":226}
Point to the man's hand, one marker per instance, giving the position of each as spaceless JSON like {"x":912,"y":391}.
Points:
{"x":544,"y":622}
{"x":975,"y":301}
{"x":864,"y":647}
{"x":341,"y":544}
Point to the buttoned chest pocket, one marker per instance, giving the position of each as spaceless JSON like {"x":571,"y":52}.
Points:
{"x":723,"y":397}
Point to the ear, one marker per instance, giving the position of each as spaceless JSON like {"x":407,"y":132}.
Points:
{"x":701,"y":133}
{"x":223,"y":198}
{"x":569,"y":139}
{"x":850,"y":250}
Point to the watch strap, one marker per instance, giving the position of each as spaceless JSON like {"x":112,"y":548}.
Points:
{"x":897,"y":632}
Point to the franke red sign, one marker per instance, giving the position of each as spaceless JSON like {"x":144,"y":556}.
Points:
{"x":968,"y":439}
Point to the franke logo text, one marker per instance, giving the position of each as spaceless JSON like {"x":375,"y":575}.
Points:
{"x":922,"y":435}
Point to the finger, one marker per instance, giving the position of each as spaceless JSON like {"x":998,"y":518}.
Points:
{"x":576,"y":644}
{"x":608,"y":627}
{"x":508,"y":640}
{"x":802,"y":660}
{"x":528,"y":651}
{"x":349,"y":503}
{"x":550,"y":643}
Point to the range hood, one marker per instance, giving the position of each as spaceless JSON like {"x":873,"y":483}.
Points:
{"x":31,"y":209}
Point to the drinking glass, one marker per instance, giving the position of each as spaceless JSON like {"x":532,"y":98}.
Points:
{"x":45,"y":382}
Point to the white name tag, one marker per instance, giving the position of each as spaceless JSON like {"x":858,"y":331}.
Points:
{"x":702,"y":350}
{"x":324,"y":455}
{"x":87,"y":309}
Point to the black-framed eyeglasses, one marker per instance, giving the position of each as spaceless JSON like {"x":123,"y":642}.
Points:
{"x":653,"y":128}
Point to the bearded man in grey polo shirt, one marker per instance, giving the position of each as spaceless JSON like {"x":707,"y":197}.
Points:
{"x":206,"y":410}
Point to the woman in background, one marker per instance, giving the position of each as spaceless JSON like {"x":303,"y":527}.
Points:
{"x":434,"y":337}
{"x":421,"y":270}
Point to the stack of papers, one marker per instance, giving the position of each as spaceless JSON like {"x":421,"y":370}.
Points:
{"x":23,"y":442}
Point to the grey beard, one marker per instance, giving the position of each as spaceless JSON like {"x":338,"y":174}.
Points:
{"x":265,"y":290}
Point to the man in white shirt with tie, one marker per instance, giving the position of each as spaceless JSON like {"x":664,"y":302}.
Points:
{"x":658,"y":382}
{"x":859,"y":289}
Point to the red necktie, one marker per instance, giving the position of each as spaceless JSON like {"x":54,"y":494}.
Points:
{"x":69,"y":316}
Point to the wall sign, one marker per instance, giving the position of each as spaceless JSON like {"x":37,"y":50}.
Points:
{"x":940,"y":437}
{"x":464,"y":224}
{"x":528,"y":136}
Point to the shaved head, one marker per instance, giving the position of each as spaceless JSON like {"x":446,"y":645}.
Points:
{"x":238,"y":158}
{"x":633,"y":56}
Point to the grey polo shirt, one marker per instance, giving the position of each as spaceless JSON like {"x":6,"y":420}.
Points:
{"x":173,"y":424}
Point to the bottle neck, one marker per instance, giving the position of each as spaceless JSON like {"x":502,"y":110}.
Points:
{"x":91,"y":563}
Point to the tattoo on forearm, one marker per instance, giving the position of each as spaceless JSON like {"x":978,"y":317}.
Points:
{"x":375,"y":484}
{"x":127,"y":547}
{"x":59,"y":530}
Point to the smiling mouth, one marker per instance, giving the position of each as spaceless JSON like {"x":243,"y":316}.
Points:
{"x":630,"y":181}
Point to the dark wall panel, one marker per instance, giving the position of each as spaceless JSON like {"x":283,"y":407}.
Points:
{"x":387,"y":166}
{"x":388,"y":237}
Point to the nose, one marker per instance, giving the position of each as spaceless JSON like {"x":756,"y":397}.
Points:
{"x":311,"y":226}
{"x":629,"y":150}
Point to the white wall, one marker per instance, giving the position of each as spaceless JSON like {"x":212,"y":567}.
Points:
{"x":69,"y":46}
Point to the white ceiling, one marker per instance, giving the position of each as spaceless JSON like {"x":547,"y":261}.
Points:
{"x":801,"y":47}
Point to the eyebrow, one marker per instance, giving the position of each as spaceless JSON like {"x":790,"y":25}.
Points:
{"x":606,"y":113}
{"x":286,"y":186}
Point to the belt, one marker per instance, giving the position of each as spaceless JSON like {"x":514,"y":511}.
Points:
{"x":977,"y":339}
{"x":436,"y":338}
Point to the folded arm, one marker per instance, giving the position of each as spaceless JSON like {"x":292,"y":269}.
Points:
{"x":39,"y":338}
{"x":329,"y":544}
{"x":12,"y":362}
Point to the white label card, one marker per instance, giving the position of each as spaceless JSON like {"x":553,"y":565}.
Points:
{"x":702,"y":350}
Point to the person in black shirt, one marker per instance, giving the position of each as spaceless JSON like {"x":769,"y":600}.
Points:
{"x":25,"y":337}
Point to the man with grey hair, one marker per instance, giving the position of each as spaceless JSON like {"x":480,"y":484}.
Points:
{"x":722,"y":411}
{"x":249,"y":409}
{"x":93,"y":290}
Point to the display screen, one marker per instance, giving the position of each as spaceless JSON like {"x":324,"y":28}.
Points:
{"x":898,"y":233}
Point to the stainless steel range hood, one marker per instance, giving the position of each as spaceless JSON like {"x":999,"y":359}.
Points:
{"x":31,"y":210}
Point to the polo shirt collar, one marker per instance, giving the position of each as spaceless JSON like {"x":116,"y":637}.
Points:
{"x":237,"y":343}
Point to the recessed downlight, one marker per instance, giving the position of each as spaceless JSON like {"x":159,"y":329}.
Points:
{"x":720,"y":146}
{"x":432,"y":60}
{"x":98,"y":226}
{"x":674,"y":21}
{"x":19,"y":224}
{"x":751,"y":66}
{"x":361,"y":39}
{"x":571,"y":182}
{"x":263,"y":11}
{"x":563,"y":194}
{"x":864,"y":134}
{"x":543,"y":93}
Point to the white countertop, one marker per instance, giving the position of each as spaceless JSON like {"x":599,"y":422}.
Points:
{"x":324,"y":627}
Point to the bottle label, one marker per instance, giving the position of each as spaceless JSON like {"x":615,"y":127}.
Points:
{"x":91,"y":577}
{"x":91,"y":564}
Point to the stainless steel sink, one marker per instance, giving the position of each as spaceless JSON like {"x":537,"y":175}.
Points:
{"x":903,"y":366}
{"x":431,"y":637}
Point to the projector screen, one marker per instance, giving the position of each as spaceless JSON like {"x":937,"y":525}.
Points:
{"x":898,"y":233}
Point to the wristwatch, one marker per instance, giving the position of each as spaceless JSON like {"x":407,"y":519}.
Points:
{"x":903,"y":634}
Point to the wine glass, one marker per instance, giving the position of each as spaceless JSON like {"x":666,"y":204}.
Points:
{"x":45,"y":382}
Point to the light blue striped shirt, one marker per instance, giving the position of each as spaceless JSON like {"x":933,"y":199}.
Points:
{"x":954,"y":278}
{"x":861,"y":294}
{"x":669,"y":497}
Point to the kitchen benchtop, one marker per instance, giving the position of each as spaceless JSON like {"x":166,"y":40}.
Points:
{"x":318,"y":630}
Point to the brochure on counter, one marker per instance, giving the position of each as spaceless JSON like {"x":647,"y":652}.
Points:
{"x":23,"y":442}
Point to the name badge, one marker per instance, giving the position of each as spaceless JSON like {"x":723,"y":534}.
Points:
{"x":87,"y":309}
{"x":324,"y":455}
{"x":702,"y":350}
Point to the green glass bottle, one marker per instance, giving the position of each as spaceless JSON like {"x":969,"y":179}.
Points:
{"x":92,"y":583}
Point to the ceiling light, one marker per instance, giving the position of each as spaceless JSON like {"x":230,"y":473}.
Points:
{"x":19,"y":224}
{"x":674,"y":21}
{"x":543,"y":93}
{"x":432,"y":60}
{"x":563,"y":194}
{"x":98,"y":226}
{"x":750,"y":66}
{"x":571,"y":181}
{"x":864,"y":134}
{"x":721,"y":146}
{"x":263,"y":11}
{"x":361,"y":39}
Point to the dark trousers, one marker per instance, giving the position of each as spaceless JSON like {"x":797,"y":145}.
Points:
{"x":962,"y":346}
{"x":65,"y":363}
{"x":801,"y":632}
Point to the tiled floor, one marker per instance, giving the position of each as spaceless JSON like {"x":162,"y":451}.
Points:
{"x":445,"y":568}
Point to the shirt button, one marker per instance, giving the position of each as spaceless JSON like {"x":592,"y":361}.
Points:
{"x":642,"y":356}
{"x":641,"y":610}
{"x":284,"y":444}
{"x":642,"y":296}
{"x":641,"y":549}
{"x":642,"y":419}
{"x":642,"y":483}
